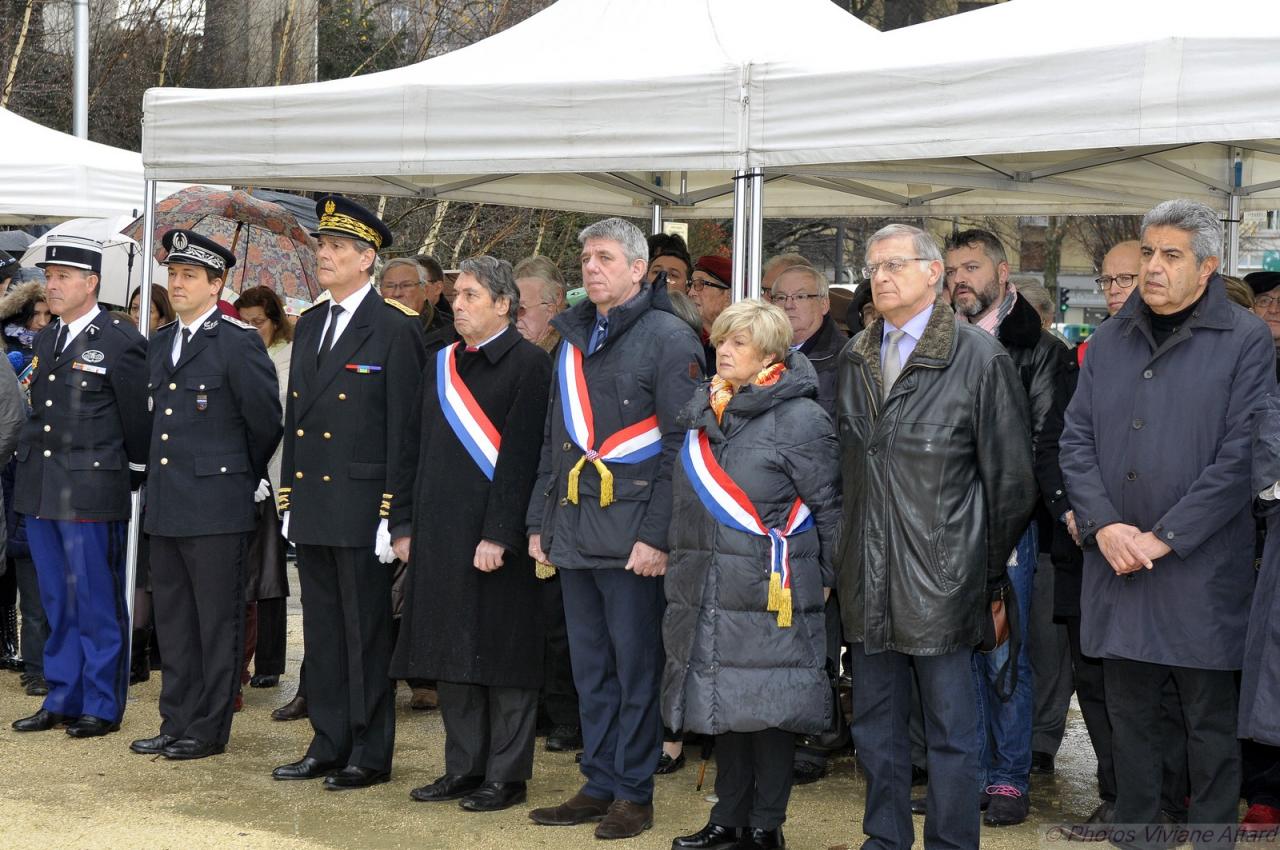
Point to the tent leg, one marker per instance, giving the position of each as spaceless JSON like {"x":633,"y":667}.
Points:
{"x":144,"y":326}
{"x":740,"y":189}
{"x":755,"y":251}
{"x":655,"y":223}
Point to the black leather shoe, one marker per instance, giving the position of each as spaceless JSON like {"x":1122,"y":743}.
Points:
{"x":713,"y":836}
{"x":152,"y":746}
{"x":494,"y":797}
{"x":918,"y":806}
{"x":667,"y":764}
{"x":264,"y":681}
{"x":353,"y":776}
{"x":448,"y":787}
{"x":89,"y":726}
{"x":41,"y":721}
{"x":185,"y":749}
{"x":304,"y":768}
{"x":805,"y":772}
{"x":563,"y":739}
{"x":919,"y":776}
{"x":294,"y":709}
{"x":1042,"y":763}
{"x":754,"y":838}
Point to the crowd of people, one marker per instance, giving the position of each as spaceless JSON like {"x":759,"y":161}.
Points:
{"x":660,"y":516}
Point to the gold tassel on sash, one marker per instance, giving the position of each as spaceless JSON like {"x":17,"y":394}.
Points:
{"x":779,"y":600}
{"x":543,"y":571}
{"x":606,"y":481}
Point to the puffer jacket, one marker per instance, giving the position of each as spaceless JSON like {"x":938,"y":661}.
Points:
{"x":730,"y":667}
{"x":938,"y":486}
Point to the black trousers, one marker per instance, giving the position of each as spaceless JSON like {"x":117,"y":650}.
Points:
{"x":198,"y":587}
{"x":1261,"y":766}
{"x":35,"y":626}
{"x":346,"y":627}
{"x":269,"y":652}
{"x":753,"y":778}
{"x":559,"y":696}
{"x":488,"y":731}
{"x":834,"y":645}
{"x":1135,"y":690}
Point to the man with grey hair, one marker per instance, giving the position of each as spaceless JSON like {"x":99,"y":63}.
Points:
{"x":801,"y":292}
{"x":938,"y":487}
{"x":1156,"y":455}
{"x":405,"y":280}
{"x":468,"y":622}
{"x":625,"y":367}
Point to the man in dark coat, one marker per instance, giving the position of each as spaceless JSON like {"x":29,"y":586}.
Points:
{"x":1156,"y":455}
{"x":602,"y":510}
{"x":82,"y":449}
{"x":353,"y":385}
{"x":216,"y":423}
{"x":472,"y":619}
{"x":938,"y":488}
{"x":978,"y":277}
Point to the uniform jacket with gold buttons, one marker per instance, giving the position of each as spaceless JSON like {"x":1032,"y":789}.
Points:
{"x":346,"y":422}
{"x":89,"y":424}
{"x":216,"y":423}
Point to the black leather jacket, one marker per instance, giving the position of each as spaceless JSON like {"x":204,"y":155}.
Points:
{"x":938,"y":486}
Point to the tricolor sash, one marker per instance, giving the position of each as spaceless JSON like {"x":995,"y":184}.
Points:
{"x":468,"y":420}
{"x":632,"y":444}
{"x":726,"y":501}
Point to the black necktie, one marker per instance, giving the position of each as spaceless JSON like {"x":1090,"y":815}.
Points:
{"x":61,"y":341}
{"x":183,"y":342}
{"x":329,"y":333}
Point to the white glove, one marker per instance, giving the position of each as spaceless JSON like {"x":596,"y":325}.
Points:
{"x":382,"y":544}
{"x":263,"y":491}
{"x":284,"y":526}
{"x":1271,"y":493}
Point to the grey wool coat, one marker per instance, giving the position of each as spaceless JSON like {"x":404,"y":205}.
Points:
{"x":1161,"y":438}
{"x":730,"y":667}
{"x":1260,"y":679}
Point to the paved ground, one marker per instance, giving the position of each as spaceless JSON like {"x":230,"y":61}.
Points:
{"x":56,"y":792}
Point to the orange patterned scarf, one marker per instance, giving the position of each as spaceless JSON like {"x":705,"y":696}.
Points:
{"x":722,"y":391}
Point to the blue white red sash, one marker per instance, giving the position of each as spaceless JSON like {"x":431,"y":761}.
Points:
{"x":726,"y":501}
{"x":632,"y":444}
{"x":468,"y":420}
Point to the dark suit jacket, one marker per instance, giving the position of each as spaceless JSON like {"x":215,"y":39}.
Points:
{"x":216,"y":424}
{"x":346,"y":422}
{"x":89,"y":424}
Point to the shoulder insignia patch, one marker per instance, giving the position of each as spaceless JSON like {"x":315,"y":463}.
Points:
{"x":239,"y":324}
{"x":391,"y":302}
{"x":314,"y":305}
{"x":166,"y":325}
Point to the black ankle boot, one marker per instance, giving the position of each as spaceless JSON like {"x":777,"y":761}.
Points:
{"x":9,"y":657}
{"x":140,"y":656}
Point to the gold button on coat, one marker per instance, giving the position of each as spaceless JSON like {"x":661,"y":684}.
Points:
{"x":297,"y":475}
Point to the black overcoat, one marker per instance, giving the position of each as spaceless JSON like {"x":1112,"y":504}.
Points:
{"x":460,"y":624}
{"x":1260,"y":678}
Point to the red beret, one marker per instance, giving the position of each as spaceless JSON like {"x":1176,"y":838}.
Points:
{"x":721,"y":268}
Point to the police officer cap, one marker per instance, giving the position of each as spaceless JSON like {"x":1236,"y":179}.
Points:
{"x":1261,"y":282}
{"x":194,"y":249}
{"x":77,"y":252}
{"x":341,"y":216}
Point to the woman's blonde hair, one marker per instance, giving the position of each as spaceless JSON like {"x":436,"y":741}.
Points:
{"x":765,"y":324}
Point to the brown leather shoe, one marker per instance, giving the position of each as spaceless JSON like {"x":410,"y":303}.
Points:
{"x":294,"y":709}
{"x":423,"y":699}
{"x":579,"y":808}
{"x":625,"y":819}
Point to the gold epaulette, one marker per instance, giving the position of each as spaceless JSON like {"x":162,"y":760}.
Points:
{"x":391,"y":302}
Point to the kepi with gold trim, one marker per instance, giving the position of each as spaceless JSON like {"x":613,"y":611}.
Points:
{"x":341,"y":216}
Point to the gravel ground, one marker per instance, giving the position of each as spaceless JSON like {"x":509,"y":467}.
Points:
{"x":63,"y":793}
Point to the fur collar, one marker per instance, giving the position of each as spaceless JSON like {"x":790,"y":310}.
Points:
{"x":14,"y":300}
{"x":937,"y":344}
{"x":1021,"y":328}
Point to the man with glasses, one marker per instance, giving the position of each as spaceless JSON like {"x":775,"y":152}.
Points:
{"x":802,"y":293}
{"x":710,"y":291}
{"x":404,"y":280}
{"x":1120,"y":269}
{"x":541,"y":299}
{"x":1266,"y":304}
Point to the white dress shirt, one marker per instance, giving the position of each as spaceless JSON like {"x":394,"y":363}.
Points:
{"x":193,"y":327}
{"x":349,"y":306}
{"x":75,"y":328}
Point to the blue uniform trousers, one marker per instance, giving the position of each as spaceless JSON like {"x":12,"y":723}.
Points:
{"x":81,"y":570}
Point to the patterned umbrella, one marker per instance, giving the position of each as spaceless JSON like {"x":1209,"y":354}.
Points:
{"x":271,"y":248}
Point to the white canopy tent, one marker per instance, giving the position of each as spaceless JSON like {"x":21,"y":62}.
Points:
{"x":49,"y":176}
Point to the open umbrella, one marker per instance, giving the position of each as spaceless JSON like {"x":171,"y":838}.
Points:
{"x":271,"y":248}
{"x":121,"y":255}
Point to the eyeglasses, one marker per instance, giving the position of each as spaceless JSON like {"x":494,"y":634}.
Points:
{"x":893,"y":265}
{"x":799,"y":297}
{"x":399,"y":287}
{"x":1265,"y":302}
{"x":1124,"y":281}
{"x":523,"y":309}
{"x":697,"y":285}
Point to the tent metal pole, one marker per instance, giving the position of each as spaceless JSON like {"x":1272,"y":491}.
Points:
{"x":740,"y":189}
{"x":755,"y":253}
{"x":655,"y":223}
{"x":1231,"y":260}
{"x":144,"y":326}
{"x":80,"y":69}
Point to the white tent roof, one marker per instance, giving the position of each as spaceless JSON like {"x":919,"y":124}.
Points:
{"x":47,"y":176}
{"x":1027,"y":107}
